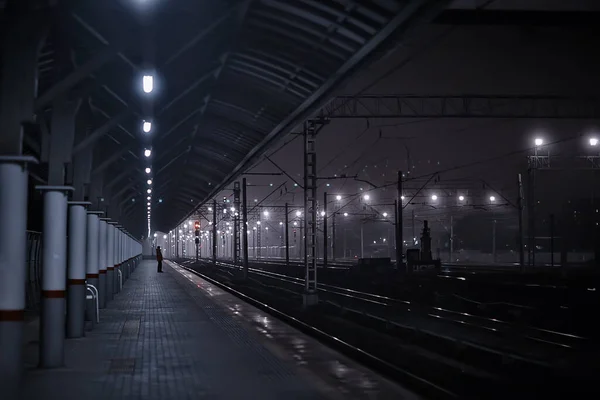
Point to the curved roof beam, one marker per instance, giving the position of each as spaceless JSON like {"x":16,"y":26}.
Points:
{"x":293,"y":69}
{"x":201,"y":35}
{"x":212,"y":73}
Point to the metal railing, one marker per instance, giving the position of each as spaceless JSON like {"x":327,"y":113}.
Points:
{"x":33,"y":262}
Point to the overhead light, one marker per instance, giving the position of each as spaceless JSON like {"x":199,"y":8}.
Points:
{"x":593,"y":141}
{"x":160,"y":200}
{"x":338,"y":197}
{"x":434,"y":197}
{"x":148,"y":83}
{"x":385,"y":214}
{"x":149,"y":191}
{"x":149,"y":181}
{"x":492,"y":198}
{"x":148,"y":197}
{"x":345,"y":214}
{"x":366,"y":197}
{"x":538,"y":141}
{"x":461,"y":198}
{"x":323,"y":213}
{"x":148,"y":170}
{"x":147,"y":152}
{"x":232,"y":209}
{"x":298,"y":213}
{"x":147,"y":126}
{"x":266,"y":213}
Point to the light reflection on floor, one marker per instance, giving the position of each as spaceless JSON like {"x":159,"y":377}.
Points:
{"x":351,"y":378}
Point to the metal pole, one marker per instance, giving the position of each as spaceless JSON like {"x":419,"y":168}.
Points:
{"x":102,"y":264}
{"x":362,"y":239}
{"x":520,"y":213}
{"x":76,"y":290}
{"x":399,"y":226}
{"x":245,"y":225}
{"x":54,"y":271}
{"x":531,"y":215}
{"x":92,"y":252}
{"x":414,"y":235}
{"x":236,"y":222}
{"x":287,"y":236}
{"x":552,"y":240}
{"x":13,"y":244}
{"x":344,"y":244}
{"x":110,"y":270}
{"x":451,"y":258}
{"x":494,"y":241}
{"x":214,"y":233}
{"x":325,"y":241}
{"x":333,"y":236}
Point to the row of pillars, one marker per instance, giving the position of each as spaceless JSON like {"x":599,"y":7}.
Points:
{"x":82,"y":253}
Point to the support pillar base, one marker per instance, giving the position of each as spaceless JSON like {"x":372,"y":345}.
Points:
{"x":90,"y":305}
{"x":52,"y":333}
{"x":110,"y":284}
{"x":102,"y":289}
{"x":310,"y":299}
{"x":76,"y":293}
{"x":13,"y":217}
{"x":11,"y":340}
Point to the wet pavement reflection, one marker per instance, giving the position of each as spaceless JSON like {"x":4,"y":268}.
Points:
{"x":349,"y":379}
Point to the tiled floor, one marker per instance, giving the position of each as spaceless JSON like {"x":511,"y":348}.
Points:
{"x":167,"y":337}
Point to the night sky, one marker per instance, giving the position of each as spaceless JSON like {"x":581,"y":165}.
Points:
{"x":460,"y":60}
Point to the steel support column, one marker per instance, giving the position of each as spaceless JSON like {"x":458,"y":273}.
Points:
{"x":399,"y":226}
{"x":102,"y":260}
{"x":54,"y":273}
{"x":92,"y":273}
{"x":236,"y":223}
{"x":520,"y":239}
{"x":76,"y":290}
{"x":258,"y":235}
{"x":325,"y":239}
{"x":13,"y":240}
{"x":245,"y":225}
{"x":287,"y":235}
{"x":214,"y":233}
{"x":110,"y":261}
{"x":310,"y":214}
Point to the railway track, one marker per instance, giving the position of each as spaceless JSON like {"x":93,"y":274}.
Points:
{"x":483,"y":323}
{"x":398,"y":317}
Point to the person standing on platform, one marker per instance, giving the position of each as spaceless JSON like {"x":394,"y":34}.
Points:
{"x":159,"y":258}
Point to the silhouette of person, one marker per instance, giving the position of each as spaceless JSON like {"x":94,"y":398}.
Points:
{"x":159,"y":258}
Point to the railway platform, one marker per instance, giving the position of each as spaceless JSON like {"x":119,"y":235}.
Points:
{"x":176,"y":336}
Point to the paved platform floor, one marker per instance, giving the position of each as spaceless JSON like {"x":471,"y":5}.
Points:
{"x":175,"y":336}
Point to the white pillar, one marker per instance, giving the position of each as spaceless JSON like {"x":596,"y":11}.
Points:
{"x":92,"y":254}
{"x":110,"y":264}
{"x":13,"y":240}
{"x":76,"y":291}
{"x":54,"y":276}
{"x":102,"y":265}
